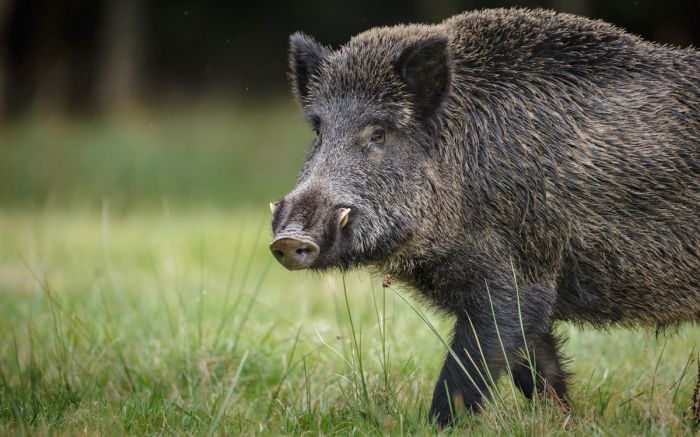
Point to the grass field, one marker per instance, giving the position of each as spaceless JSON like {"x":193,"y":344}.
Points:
{"x":123,"y":313}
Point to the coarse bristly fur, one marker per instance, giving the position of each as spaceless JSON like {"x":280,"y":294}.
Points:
{"x":499,"y":147}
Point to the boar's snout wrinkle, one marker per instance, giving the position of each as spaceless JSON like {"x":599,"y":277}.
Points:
{"x":503,"y":147}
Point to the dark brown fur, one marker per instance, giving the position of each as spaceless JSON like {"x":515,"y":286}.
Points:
{"x":528,"y":147}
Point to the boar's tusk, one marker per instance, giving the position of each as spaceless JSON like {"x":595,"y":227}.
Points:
{"x":273,"y":207}
{"x":343,"y":214}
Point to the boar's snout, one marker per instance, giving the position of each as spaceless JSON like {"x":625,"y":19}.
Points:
{"x":307,"y":230}
{"x":294,"y":253}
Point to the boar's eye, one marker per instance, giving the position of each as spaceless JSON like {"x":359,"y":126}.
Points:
{"x":378,"y":137}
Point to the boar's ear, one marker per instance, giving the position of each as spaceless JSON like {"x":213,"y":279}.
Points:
{"x":425,"y":70}
{"x":305,"y":54}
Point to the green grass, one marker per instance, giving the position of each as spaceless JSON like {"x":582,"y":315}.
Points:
{"x":137,"y":296}
{"x":211,"y":154}
{"x":177,"y":321}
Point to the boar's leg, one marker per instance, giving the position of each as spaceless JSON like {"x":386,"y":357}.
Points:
{"x":476,"y":357}
{"x":462,"y":380}
{"x":548,"y":374}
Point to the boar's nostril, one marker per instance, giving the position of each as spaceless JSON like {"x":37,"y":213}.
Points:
{"x":293,"y":253}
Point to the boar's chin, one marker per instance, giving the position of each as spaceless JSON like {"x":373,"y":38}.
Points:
{"x":342,"y":262}
{"x":345,"y":259}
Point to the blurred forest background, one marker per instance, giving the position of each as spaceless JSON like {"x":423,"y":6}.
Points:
{"x":142,"y":101}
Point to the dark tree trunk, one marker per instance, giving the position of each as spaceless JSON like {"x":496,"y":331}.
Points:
{"x":120,"y":63}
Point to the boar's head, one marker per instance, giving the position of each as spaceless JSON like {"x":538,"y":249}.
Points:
{"x":368,"y":185}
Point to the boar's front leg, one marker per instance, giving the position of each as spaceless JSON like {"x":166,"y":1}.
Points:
{"x":543,"y":370}
{"x":479,"y":340}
